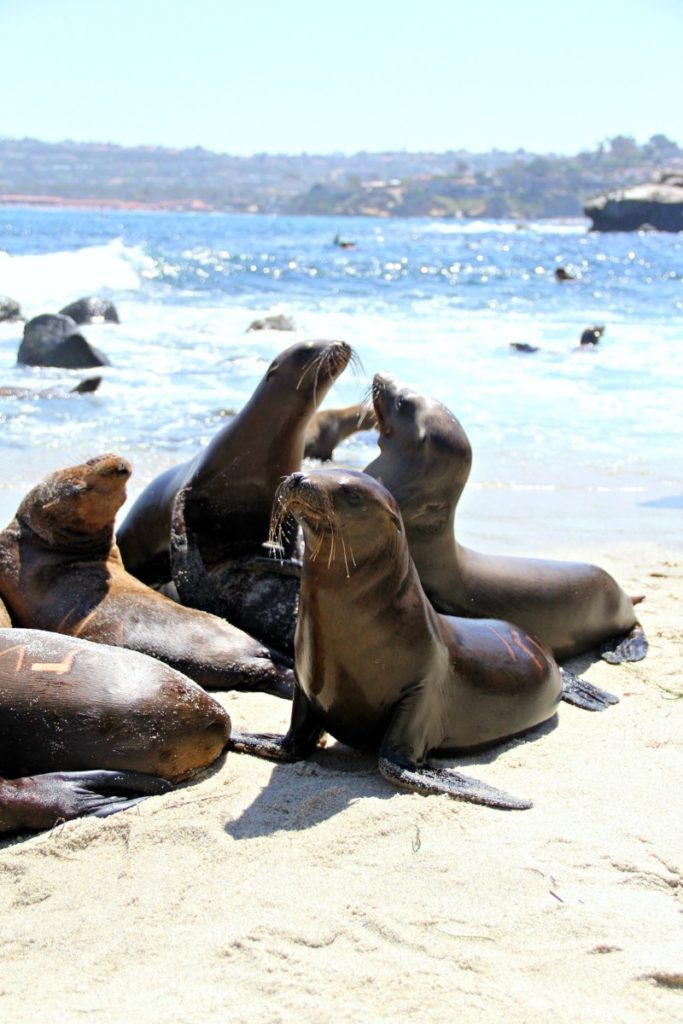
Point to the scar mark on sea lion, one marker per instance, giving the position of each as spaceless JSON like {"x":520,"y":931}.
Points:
{"x":59,"y":668}
{"x":83,"y":624}
{"x":518,"y":642}
{"x":508,"y":646}
{"x":20,"y":656}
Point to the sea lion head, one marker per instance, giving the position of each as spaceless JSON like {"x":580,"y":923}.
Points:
{"x":79,"y":502}
{"x":425,"y":455}
{"x":346,"y":516}
{"x":311,"y":366}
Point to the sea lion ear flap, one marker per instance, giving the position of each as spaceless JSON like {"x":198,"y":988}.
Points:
{"x":396,"y":518}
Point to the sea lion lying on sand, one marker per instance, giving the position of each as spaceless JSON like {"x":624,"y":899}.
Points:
{"x":113,"y":725}
{"x":60,"y":570}
{"x":425,"y":460}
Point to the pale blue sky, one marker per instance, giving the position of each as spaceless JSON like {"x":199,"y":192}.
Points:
{"x":314,"y":76}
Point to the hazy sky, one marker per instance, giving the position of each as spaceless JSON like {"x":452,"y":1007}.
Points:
{"x":318,"y":76}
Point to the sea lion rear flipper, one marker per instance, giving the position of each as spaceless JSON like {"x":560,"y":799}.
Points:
{"x":632,"y":647}
{"x":583,"y":694}
{"x":430,"y":779}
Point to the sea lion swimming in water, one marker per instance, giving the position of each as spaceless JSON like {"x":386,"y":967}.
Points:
{"x":89,"y":729}
{"x":425,"y":458}
{"x":379,"y":669}
{"x":60,"y":570}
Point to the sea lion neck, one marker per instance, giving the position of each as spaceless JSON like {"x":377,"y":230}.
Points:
{"x":65,"y":540}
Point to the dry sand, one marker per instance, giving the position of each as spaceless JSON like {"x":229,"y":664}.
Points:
{"x":316,"y":892}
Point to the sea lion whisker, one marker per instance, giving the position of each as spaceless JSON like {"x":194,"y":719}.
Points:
{"x":346,"y":561}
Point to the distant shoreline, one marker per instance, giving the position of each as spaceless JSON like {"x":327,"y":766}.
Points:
{"x":173,"y":205}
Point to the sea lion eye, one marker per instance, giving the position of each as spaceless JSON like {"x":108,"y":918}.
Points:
{"x":353,"y":497}
{"x":271,"y":370}
{"x":76,"y":487}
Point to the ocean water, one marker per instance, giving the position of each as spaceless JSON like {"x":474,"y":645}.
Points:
{"x":574,"y":450}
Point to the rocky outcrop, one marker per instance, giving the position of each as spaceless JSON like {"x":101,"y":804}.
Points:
{"x":657,"y":205}
{"x":53,"y":339}
{"x":9,"y":309}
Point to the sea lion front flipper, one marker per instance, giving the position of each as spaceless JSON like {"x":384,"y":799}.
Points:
{"x":195,"y":587}
{"x":39,"y":802}
{"x":583,"y":694}
{"x":632,"y":647}
{"x":299,"y":742}
{"x":429,"y":779}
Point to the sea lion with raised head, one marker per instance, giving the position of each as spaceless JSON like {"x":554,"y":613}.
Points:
{"x":379,"y":669}
{"x":119,"y":723}
{"x":60,"y":570}
{"x":425,"y":458}
{"x":329,"y":427}
{"x":229,"y":485}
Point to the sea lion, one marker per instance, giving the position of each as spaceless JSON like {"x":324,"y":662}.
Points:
{"x":92,"y":310}
{"x":60,"y":570}
{"x":85,"y":387}
{"x":69,"y":705}
{"x":378,"y":668}
{"x":329,"y":427}
{"x":591,"y":335}
{"x":425,"y":458}
{"x":229,"y":485}
{"x":53,"y":339}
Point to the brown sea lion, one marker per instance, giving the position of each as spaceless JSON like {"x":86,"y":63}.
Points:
{"x":85,"y":387}
{"x":116,"y":722}
{"x":60,"y":570}
{"x":378,"y":668}
{"x":229,"y":485}
{"x":329,"y":427}
{"x":425,"y":458}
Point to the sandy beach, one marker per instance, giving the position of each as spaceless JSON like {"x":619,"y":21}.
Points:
{"x":318,"y":892}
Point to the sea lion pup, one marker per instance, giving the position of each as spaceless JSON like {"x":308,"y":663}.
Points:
{"x":118,"y":723}
{"x":329,"y":427}
{"x":60,"y":570}
{"x":425,"y":460}
{"x":229,"y":485}
{"x":85,"y":387}
{"x":378,"y":668}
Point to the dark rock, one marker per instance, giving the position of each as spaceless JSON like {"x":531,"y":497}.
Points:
{"x":92,"y":311}
{"x":52,"y":339}
{"x":10,"y":309}
{"x":658,"y":206}
{"x":277,"y":322}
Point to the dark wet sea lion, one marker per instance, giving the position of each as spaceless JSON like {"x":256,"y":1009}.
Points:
{"x":592,"y":335}
{"x":85,"y":387}
{"x":53,"y":339}
{"x":229,"y":485}
{"x":378,"y":668}
{"x":329,"y":427}
{"x":60,"y":570}
{"x":68,"y":705}
{"x":425,"y":458}
{"x":92,"y":310}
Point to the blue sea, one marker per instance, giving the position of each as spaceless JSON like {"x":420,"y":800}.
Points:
{"x":574,"y":449}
